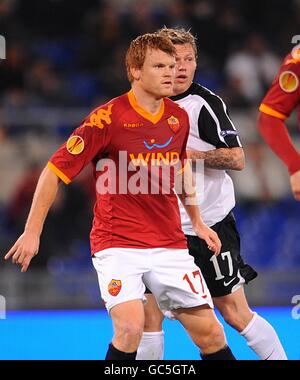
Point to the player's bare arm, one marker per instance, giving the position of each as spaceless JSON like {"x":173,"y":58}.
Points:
{"x":27,"y":246}
{"x":187,"y":196}
{"x":220,"y":158}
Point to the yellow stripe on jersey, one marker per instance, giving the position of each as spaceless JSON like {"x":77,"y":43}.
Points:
{"x":291,"y":60}
{"x":59,"y":173}
{"x":147,"y":115}
{"x":269,"y":111}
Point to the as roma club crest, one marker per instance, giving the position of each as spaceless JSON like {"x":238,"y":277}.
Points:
{"x":173,"y":123}
{"x":114,"y":287}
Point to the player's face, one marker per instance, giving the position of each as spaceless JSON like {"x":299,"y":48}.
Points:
{"x":157,"y":75}
{"x":185,"y":68}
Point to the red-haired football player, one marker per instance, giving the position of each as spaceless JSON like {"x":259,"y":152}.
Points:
{"x":136,"y":239}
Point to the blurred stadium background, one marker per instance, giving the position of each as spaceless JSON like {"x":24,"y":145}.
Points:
{"x":64,"y":58}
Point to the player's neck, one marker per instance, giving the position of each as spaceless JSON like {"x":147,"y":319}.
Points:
{"x":146,"y":101}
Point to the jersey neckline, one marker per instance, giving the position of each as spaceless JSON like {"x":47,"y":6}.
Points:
{"x":141,"y":111}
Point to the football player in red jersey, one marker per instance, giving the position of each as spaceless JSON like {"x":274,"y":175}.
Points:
{"x":136,"y":234}
{"x":281,"y":99}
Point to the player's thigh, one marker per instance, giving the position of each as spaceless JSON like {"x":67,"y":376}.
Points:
{"x":201,"y":323}
{"x":236,"y":301}
{"x":120,"y":272}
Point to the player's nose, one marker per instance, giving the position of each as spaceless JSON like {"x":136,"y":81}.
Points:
{"x":180,"y":65}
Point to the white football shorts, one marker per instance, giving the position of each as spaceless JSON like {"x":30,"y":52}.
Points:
{"x":170,"y":274}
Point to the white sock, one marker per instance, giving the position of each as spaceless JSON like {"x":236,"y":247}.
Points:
{"x":263,"y":340}
{"x":151,"y":346}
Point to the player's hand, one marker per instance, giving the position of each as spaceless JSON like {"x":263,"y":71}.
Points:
{"x":210,"y":236}
{"x":295,"y":185}
{"x":24,"y":249}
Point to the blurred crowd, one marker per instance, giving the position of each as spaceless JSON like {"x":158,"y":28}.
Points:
{"x":72,"y":54}
{"x":64,"y":58}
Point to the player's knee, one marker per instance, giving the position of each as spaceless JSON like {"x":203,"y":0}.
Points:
{"x":153,"y":322}
{"x":212,"y":339}
{"x":237,"y":319}
{"x":130,"y":332}
{"x":231,"y":318}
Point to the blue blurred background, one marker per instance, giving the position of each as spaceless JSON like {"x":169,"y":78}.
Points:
{"x":62,"y":60}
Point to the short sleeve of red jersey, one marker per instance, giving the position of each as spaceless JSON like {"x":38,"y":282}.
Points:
{"x":284,"y":94}
{"x":85,"y":143}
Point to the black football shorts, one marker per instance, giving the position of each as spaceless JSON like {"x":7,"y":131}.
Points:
{"x":226,"y":272}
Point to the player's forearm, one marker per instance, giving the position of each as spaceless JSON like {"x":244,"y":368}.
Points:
{"x":187,"y":196}
{"x":275,"y":133}
{"x":221,"y":158}
{"x":191,"y":207}
{"x":43,"y":198}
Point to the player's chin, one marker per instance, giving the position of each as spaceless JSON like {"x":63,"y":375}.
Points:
{"x":180,"y":87}
{"x":167,"y":90}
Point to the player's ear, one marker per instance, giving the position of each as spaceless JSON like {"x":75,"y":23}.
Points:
{"x":136,"y":73}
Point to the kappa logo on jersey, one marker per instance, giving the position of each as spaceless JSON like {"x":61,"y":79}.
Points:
{"x":288,"y":81}
{"x":173,"y":123}
{"x":114,"y":287}
{"x":75,"y":145}
{"x":133,"y":125}
{"x":97,"y":118}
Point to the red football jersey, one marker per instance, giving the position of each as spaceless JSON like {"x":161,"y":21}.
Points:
{"x":284,"y":94}
{"x":122,"y":133}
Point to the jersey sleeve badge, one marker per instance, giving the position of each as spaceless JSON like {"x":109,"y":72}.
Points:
{"x":288,"y":81}
{"x":75,"y":145}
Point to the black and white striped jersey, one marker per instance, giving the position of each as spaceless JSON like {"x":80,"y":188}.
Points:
{"x":210,"y":128}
